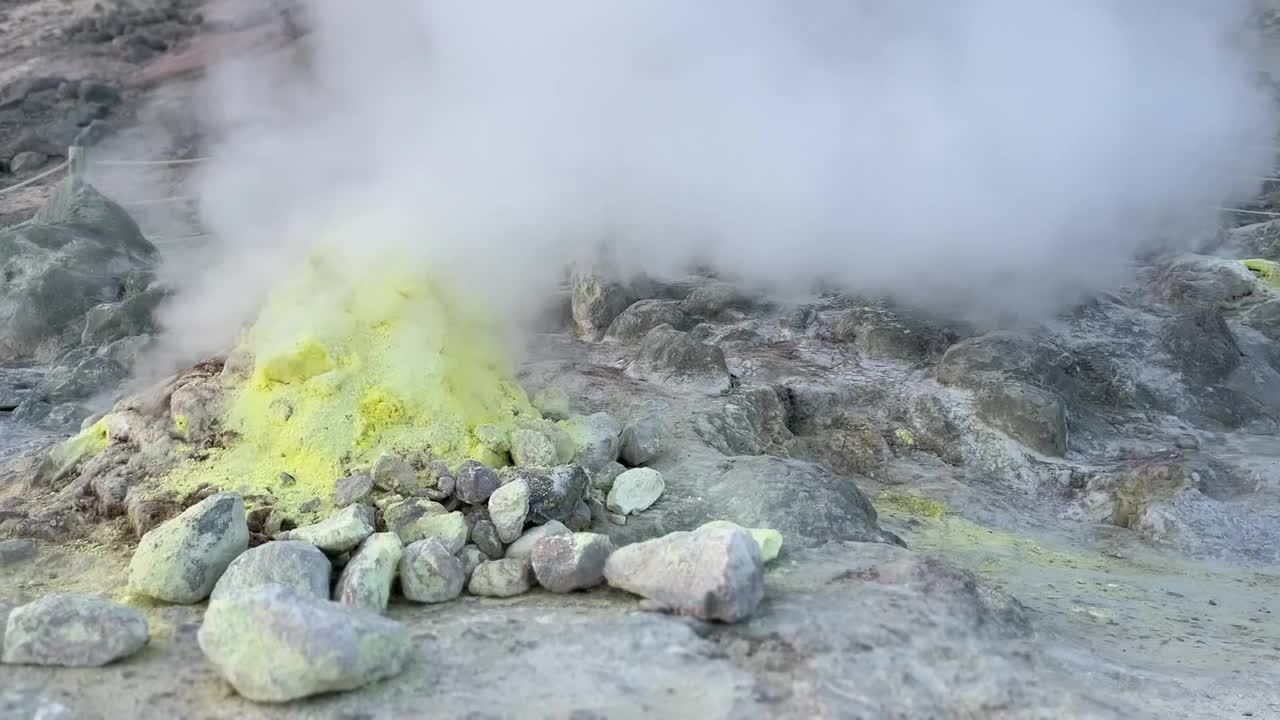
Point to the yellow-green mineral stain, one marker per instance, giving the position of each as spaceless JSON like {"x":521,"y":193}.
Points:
{"x":71,"y":452}
{"x":354,"y":358}
{"x":914,"y":505}
{"x":1267,"y":271}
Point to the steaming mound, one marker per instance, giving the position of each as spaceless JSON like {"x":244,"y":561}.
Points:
{"x":343,"y":364}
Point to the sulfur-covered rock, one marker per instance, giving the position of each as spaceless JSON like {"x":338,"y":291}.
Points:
{"x":275,"y":645}
{"x":532,"y":448}
{"x":635,"y":490}
{"x":429,"y":573}
{"x":509,"y":508}
{"x":294,"y":564}
{"x":641,"y":441}
{"x":769,"y":540}
{"x":72,"y":631}
{"x":713,"y":574}
{"x":555,"y":493}
{"x":352,"y":489}
{"x":475,"y":482}
{"x":339,"y":533}
{"x":553,"y":403}
{"x":675,"y":360}
{"x":181,"y":560}
{"x":564,"y":563}
{"x":522,"y":548}
{"x":595,"y":438}
{"x":449,"y":528}
{"x":411,"y":518}
{"x":366,"y":581}
{"x":501,"y":578}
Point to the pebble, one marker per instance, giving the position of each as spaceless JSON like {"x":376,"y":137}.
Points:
{"x":429,"y":573}
{"x":366,"y":580}
{"x":635,"y":490}
{"x":73,"y":631}
{"x":501,"y":578}
{"x":509,"y":508}
{"x":713,"y":574}
{"x":294,"y":564}
{"x":273,"y":644}
{"x":564,"y":563}
{"x":181,"y":560}
{"x":522,"y":548}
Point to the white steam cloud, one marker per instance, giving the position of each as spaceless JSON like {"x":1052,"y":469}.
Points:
{"x":986,"y":157}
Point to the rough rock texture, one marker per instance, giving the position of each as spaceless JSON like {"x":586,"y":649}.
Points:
{"x":553,"y":403}
{"x":596,"y":439}
{"x":429,"y":573}
{"x":352,"y":489}
{"x":882,"y":334}
{"x":503,"y":578}
{"x":509,"y":508}
{"x":554,"y":493}
{"x":181,"y":560}
{"x":531,"y":447}
{"x":297,"y":565}
{"x":641,"y":440}
{"x":274,"y":645}
{"x":13,"y":552}
{"x":713,"y":574}
{"x":635,"y":490}
{"x":82,"y":250}
{"x":769,"y":540}
{"x":72,"y":631}
{"x":676,"y":361}
{"x":637,"y":320}
{"x":475,"y":482}
{"x":522,"y":548}
{"x":597,"y":301}
{"x":1033,"y":416}
{"x":485,"y":537}
{"x":564,"y":563}
{"x":753,"y":421}
{"x":449,"y":528}
{"x":366,"y":579}
{"x":339,"y":533}
{"x":410,"y":517}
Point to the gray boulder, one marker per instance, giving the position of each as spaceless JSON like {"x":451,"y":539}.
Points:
{"x":352,"y":489}
{"x":554,"y":493}
{"x":596,"y":439}
{"x":475,"y":482}
{"x":637,"y":320}
{"x":275,"y":645}
{"x":673,"y":359}
{"x":78,"y":375}
{"x":471,"y":557}
{"x":1033,"y":416}
{"x":882,"y":334}
{"x":596,"y":302}
{"x":294,"y":564}
{"x":181,"y":560}
{"x":635,"y":490}
{"x":394,"y":474}
{"x":485,"y":537}
{"x":1201,"y":346}
{"x":1265,"y":318}
{"x":81,"y":251}
{"x":429,"y":573}
{"x":509,"y":508}
{"x":130,"y":317}
{"x":712,"y":574}
{"x":72,"y":631}
{"x":641,"y":440}
{"x":564,"y":563}
{"x":522,"y":548}
{"x":338,"y":533}
{"x":27,"y":161}
{"x":849,"y":444}
{"x":366,"y":580}
{"x":752,"y":422}
{"x":530,"y":447}
{"x":503,"y":578}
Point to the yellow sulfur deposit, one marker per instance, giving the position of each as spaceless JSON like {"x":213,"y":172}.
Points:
{"x":1267,"y":270}
{"x":352,"y":360}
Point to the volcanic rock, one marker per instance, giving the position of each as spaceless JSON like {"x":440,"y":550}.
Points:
{"x":429,"y":573}
{"x":501,"y":578}
{"x":564,"y":563}
{"x":297,"y":565}
{"x":673,"y":359}
{"x":596,"y":439}
{"x":72,"y":631}
{"x":522,"y":548}
{"x":181,"y":560}
{"x":341,"y":532}
{"x":635,"y":490}
{"x":366,"y":581}
{"x":509,"y":508}
{"x":641,"y":440}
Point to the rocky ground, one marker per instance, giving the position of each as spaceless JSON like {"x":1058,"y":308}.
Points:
{"x":1076,"y":520}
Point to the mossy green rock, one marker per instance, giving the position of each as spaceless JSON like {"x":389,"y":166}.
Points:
{"x":274,"y":644}
{"x":181,"y":560}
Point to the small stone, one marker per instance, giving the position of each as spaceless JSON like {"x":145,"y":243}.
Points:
{"x":27,"y":161}
{"x":366,"y":581}
{"x":410,"y":518}
{"x":294,"y":564}
{"x":352,"y":489}
{"x":394,"y":474}
{"x":595,"y":438}
{"x":181,"y":560}
{"x":275,"y":645}
{"x":16,"y":551}
{"x":471,"y":557}
{"x":475,"y":482}
{"x":580,"y":519}
{"x":641,"y":441}
{"x":485,"y":536}
{"x":286,"y":480}
{"x":564,"y":563}
{"x":532,"y":448}
{"x":553,"y":403}
{"x":769,"y":540}
{"x":72,"y":631}
{"x":602,"y":481}
{"x":635,"y":490}
{"x":553,"y":495}
{"x":714,"y":574}
{"x":429,"y":573}
{"x":522,"y":548}
{"x":339,"y":533}
{"x":493,"y":438}
{"x":509,"y":508}
{"x":501,"y":578}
